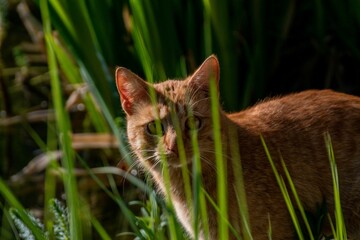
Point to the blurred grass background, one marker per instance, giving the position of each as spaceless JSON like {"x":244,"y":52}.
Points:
{"x":58,"y":95}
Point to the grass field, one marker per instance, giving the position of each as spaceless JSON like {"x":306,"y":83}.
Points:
{"x":58,"y":96}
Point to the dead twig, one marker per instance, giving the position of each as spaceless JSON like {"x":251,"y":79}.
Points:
{"x":93,"y":141}
{"x":35,"y":116}
{"x":32,"y":25}
{"x":79,"y":142}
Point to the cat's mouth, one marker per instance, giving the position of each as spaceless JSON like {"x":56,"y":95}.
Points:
{"x":171,"y":159}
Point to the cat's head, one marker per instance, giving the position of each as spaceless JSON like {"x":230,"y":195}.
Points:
{"x":155,"y":125}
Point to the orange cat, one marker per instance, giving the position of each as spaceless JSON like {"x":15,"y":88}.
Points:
{"x":292,"y":126}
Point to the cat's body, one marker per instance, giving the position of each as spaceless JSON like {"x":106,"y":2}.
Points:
{"x":292,"y":126}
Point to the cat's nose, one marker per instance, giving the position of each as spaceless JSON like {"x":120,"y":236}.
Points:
{"x":172,"y":150}
{"x":170,"y":143}
{"x":171,"y":147}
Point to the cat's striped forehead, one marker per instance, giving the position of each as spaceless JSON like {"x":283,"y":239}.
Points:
{"x":173,"y":94}
{"x":173,"y":90}
{"x":178,"y":96}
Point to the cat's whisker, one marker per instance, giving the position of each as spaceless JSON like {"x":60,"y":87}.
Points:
{"x":197,"y":102}
{"x":224,"y":155}
{"x":150,"y":157}
{"x":155,"y":165}
{"x":129,"y":154}
{"x":133,"y":165}
{"x":194,"y":92}
{"x":129,"y":172}
{"x":208,"y":162}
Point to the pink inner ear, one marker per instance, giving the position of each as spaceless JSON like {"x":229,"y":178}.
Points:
{"x":126,"y":101}
{"x":123,"y":85}
{"x":210,"y":69}
{"x":132,"y":89}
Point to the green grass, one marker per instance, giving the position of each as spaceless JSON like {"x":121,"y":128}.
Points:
{"x":339,"y":229}
{"x":285,"y":192}
{"x":239,"y":185}
{"x":254,"y":42}
{"x":220,"y":164}
{"x":64,"y":131}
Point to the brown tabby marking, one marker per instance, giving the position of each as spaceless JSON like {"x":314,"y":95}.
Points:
{"x":293,"y":126}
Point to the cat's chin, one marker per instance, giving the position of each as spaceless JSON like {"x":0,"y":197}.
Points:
{"x":176,"y":165}
{"x":173,"y":161}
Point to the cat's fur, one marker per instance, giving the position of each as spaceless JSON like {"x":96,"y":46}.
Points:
{"x":292,"y":126}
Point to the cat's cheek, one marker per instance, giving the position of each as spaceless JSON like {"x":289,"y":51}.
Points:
{"x":138,"y":143}
{"x":136,"y":140}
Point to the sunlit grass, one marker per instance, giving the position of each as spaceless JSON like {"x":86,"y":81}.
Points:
{"x":284,"y":191}
{"x":239,"y":185}
{"x":14,"y":203}
{"x":86,"y":53}
{"x":64,"y":130}
{"x":221,"y":167}
{"x":339,"y":229}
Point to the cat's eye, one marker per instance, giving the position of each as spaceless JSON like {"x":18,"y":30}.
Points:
{"x":152,"y":130}
{"x":193,"y":123}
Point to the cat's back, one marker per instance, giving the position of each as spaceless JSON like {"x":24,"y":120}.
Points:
{"x":293,"y":127}
{"x":321,"y":109}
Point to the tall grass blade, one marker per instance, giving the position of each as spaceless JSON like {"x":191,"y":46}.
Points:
{"x":239,"y":186}
{"x":217,"y":209}
{"x":147,"y":56}
{"x":73,"y":75}
{"x":208,"y":48}
{"x":221,"y":168}
{"x":166,"y":177}
{"x":341,"y":233}
{"x":25,"y":232}
{"x":270,"y":228}
{"x":21,"y":214}
{"x":284,"y":191}
{"x":147,"y":44}
{"x":127,"y":213}
{"x":182,"y":157}
{"x":120,"y":135}
{"x":185,"y":173}
{"x":63,"y":124}
{"x":172,"y":222}
{"x":199,"y":204}
{"x":100,"y":229}
{"x":50,"y":190}
{"x":222,"y":32}
{"x":297,"y":199}
{"x":256,"y":57}
{"x":85,"y":47}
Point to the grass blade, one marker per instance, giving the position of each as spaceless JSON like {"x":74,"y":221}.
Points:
{"x":21,"y":213}
{"x":63,"y":124}
{"x":239,"y":186}
{"x":339,"y":218}
{"x":221,"y":175}
{"x":284,"y":191}
{"x":297,"y":199}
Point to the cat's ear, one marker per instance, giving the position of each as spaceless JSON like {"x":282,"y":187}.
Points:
{"x":209,"y":69}
{"x":131,"y":87}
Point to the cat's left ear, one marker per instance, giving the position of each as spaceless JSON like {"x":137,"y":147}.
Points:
{"x":132,"y":89}
{"x":209,"y":69}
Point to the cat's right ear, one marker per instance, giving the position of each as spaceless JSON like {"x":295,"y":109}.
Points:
{"x":131,"y":89}
{"x":209,"y":70}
